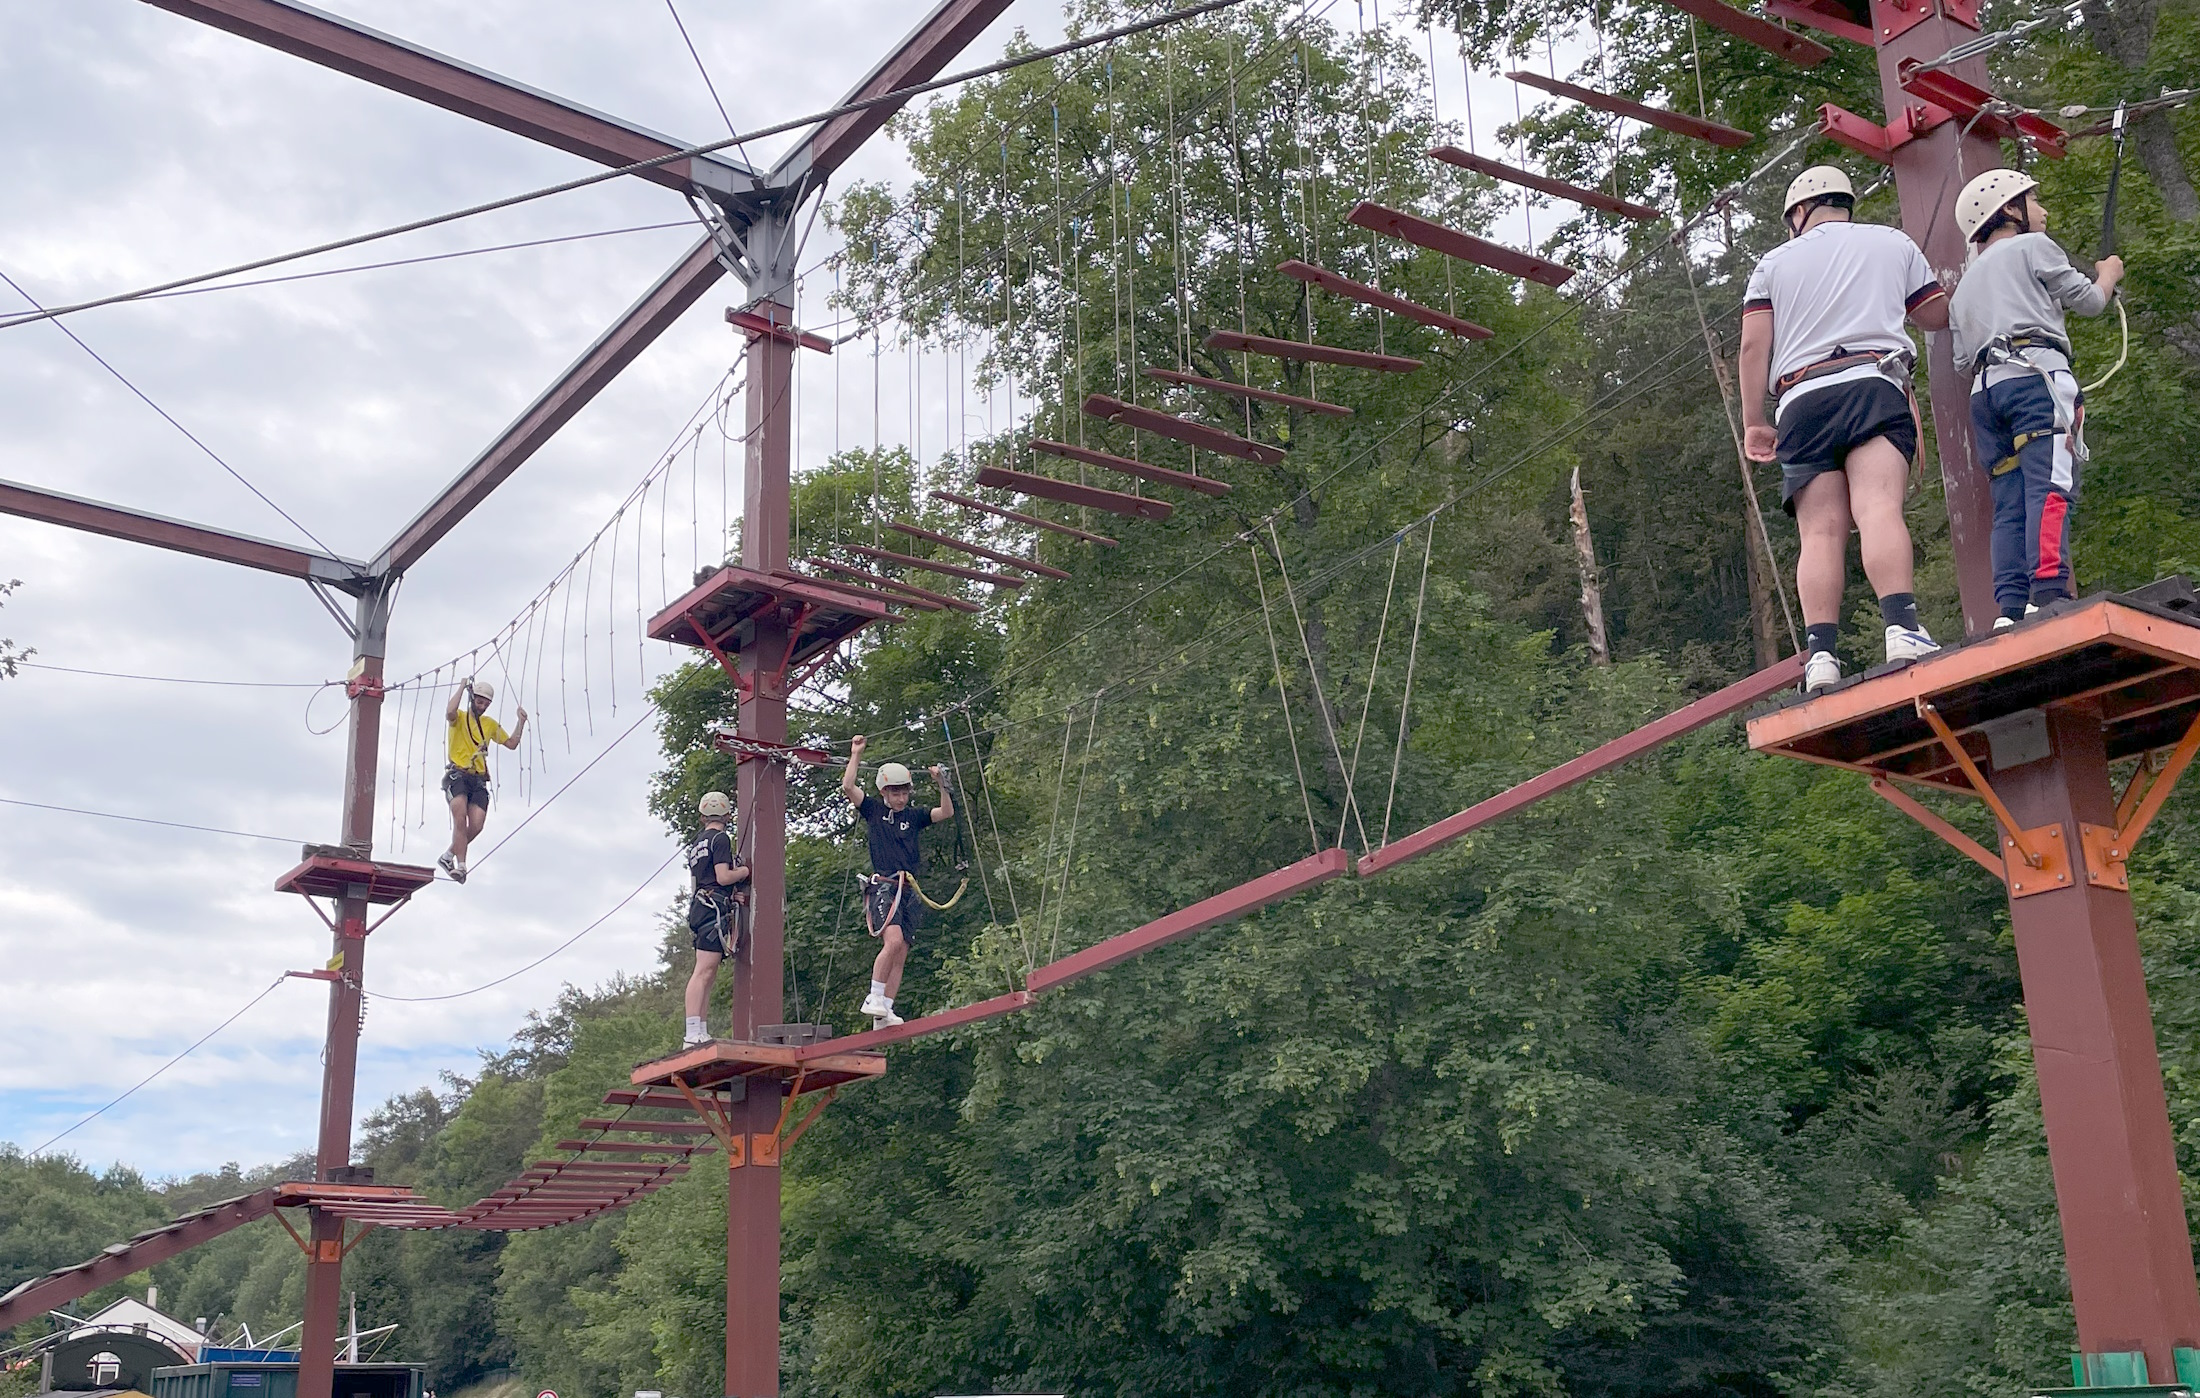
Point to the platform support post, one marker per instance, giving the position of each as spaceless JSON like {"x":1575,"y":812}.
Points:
{"x":2125,"y":1239}
{"x":340,"y":1060}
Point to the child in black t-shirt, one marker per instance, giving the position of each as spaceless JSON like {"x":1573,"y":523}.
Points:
{"x":893,"y":908}
{"x":714,"y":912}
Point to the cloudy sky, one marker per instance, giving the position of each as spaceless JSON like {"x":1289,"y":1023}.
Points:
{"x":136,"y":146}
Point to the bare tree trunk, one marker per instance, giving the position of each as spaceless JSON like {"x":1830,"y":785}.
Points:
{"x":1764,"y":625}
{"x":1592,"y":596}
{"x":2124,"y":33}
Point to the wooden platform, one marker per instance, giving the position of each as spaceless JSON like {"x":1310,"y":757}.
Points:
{"x":331,"y":875}
{"x":721,"y":1061}
{"x":720,"y":614}
{"x":2137,"y":656}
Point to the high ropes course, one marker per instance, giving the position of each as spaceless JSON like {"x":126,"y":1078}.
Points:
{"x":2026,"y":720}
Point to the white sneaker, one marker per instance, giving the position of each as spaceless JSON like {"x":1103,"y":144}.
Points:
{"x":698,"y":1034}
{"x":886,"y":1021}
{"x":1906,"y":644}
{"x":449,"y":865}
{"x":876,"y":1006}
{"x":2003,"y":623}
{"x":1821,"y":671}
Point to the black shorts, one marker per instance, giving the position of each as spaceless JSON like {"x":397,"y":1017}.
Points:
{"x":1825,"y":425}
{"x":881,"y":911}
{"x":716,"y":924}
{"x":464,"y":781}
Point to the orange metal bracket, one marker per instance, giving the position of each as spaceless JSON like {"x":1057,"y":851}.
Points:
{"x":2052,"y":871}
{"x":356,"y":1239}
{"x":2107,"y":848}
{"x":1963,"y":844}
{"x":804,"y":1124}
{"x":303,"y":1246}
{"x":2016,"y":834}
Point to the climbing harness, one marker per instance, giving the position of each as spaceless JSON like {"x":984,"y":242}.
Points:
{"x":2015,"y":351}
{"x":905,"y":883}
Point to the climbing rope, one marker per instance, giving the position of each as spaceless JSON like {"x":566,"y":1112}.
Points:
{"x":1313,"y":678}
{"x":1405,"y":705}
{"x":1283,"y":693}
{"x":1374,"y":667}
{"x":1069,"y":847}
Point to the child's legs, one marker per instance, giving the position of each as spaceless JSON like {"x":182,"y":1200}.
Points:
{"x":893,"y":954}
{"x":2050,"y":470}
{"x":1822,"y":521}
{"x":1990,"y":442}
{"x":476,"y":817}
{"x":462,"y":826}
{"x":699,"y":984}
{"x":1878,"y":475}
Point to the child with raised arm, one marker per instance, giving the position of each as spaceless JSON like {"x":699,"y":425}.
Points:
{"x":893,"y":906}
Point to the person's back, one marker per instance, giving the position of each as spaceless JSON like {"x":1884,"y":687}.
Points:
{"x":1841,"y":288}
{"x":2020,"y":286}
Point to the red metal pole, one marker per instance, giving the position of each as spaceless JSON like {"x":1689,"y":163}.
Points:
{"x":752,"y":1187}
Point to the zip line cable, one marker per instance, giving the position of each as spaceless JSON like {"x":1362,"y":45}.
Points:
{"x":179,"y":679}
{"x":148,"y":820}
{"x":704,"y":73}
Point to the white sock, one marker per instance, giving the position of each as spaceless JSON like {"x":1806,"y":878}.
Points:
{"x":889,"y":1004}
{"x":698,"y":1028}
{"x":878,"y":988}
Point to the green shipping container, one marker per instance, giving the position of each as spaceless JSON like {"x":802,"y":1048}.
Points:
{"x":249,"y":1380}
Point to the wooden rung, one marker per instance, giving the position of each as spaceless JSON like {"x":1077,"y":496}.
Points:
{"x":1694,"y":127}
{"x":1560,"y":189}
{"x":1160,"y":475}
{"x":1453,"y":243}
{"x":1312,"y":354}
{"x":909,"y":601}
{"x":1795,"y":48}
{"x":1199,"y":434}
{"x":1070,"y":493}
{"x":1265,"y":395}
{"x":918,"y":596}
{"x":853,"y":591}
{"x":1029,"y":565}
{"x":970,"y":503}
{"x":931,"y":565}
{"x":1360,"y":291}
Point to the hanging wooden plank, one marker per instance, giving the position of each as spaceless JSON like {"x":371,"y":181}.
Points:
{"x":933,"y":600}
{"x":1360,"y":291}
{"x":1544,"y":184}
{"x":912,"y":600}
{"x":1265,"y":395}
{"x":972,"y":503}
{"x":1198,"y":434}
{"x":1108,"y":461}
{"x":853,"y":591}
{"x":1452,"y":243}
{"x":1312,"y":354}
{"x":933,"y":565}
{"x":1795,"y":48}
{"x":1070,"y":493}
{"x":1694,"y":127}
{"x":1029,"y":565}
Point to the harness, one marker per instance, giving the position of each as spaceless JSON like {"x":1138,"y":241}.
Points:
{"x":1898,"y":364}
{"x":904,"y":883}
{"x":2069,"y":418}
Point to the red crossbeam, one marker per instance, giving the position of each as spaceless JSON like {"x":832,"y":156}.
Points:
{"x":1687,"y":719}
{"x":633,"y":1147}
{"x":1109,"y":461}
{"x":919,"y":596}
{"x":925,"y":1024}
{"x":646,"y":1097}
{"x":662,"y":1128}
{"x":1558,"y":189}
{"x":1169,"y":425}
{"x":933,"y":565}
{"x":1694,"y":127}
{"x":767,"y":326}
{"x":1240,"y":390}
{"x":1360,"y":291}
{"x":876,"y":599}
{"x":34,"y":1298}
{"x":1070,"y":493}
{"x":1311,"y":354}
{"x":1451,"y":242}
{"x":1208,"y":912}
{"x":1029,"y":565}
{"x":972,"y":503}
{"x":1795,"y":48}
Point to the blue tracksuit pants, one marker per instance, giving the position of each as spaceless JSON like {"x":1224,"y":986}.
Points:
{"x":2034,"y":472}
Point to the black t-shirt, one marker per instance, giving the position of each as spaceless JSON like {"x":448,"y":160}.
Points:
{"x":893,"y":834}
{"x":711,"y":849}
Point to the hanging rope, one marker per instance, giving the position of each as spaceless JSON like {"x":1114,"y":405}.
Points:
{"x":1283,"y":693}
{"x":1061,"y":775}
{"x":1405,"y":705}
{"x":1313,"y":678}
{"x":993,"y":819}
{"x":1069,"y":847}
{"x":1374,"y":667}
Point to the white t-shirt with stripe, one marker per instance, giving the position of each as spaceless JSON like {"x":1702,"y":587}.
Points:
{"x":1841,"y":288}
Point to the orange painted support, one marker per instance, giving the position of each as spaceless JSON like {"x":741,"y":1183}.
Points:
{"x":1452,"y":243}
{"x":1367,"y":295}
{"x":1308,"y":353}
{"x":972,"y":503}
{"x":1070,"y":493}
{"x":1109,"y":461}
{"x":1695,"y":128}
{"x":1198,"y":434}
{"x":1795,"y":48}
{"x":1557,"y":189}
{"x":1239,"y":390}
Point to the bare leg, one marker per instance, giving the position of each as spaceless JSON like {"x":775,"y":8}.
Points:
{"x":462,"y":827}
{"x":1877,"y":477}
{"x":699,"y":984}
{"x":476,"y":817}
{"x":893,"y":953}
{"x":1822,"y":519}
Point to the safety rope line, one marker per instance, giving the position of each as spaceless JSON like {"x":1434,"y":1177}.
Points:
{"x":1061,"y":775}
{"x":1313,"y":678}
{"x":1405,"y":705}
{"x":1077,"y":808}
{"x":962,"y":818}
{"x":993,"y":819}
{"x":1283,"y":693}
{"x":1374,"y":667}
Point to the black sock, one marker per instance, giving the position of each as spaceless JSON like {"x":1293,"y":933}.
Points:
{"x":1820,"y":636}
{"x":2044,"y":593}
{"x":2014,"y":612}
{"x":1900,"y":609}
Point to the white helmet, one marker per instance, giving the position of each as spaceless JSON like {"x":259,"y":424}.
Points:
{"x":1988,"y":195}
{"x":1816,"y":183}
{"x":892,"y":774}
{"x":482,"y":689}
{"x":714,"y":806}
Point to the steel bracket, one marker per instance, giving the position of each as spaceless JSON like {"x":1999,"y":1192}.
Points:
{"x":2104,"y":856}
{"x":2048,"y":873}
{"x":1891,"y":19}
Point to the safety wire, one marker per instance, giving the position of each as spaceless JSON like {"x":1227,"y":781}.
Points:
{"x":1283,"y":694}
{"x":967,"y":816}
{"x":1374,"y":667}
{"x":1069,"y":847}
{"x":1405,"y":705}
{"x":1313,"y":677}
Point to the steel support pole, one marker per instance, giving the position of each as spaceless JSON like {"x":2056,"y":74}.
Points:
{"x":752,"y":1191}
{"x":340,"y":1059}
{"x":2125,"y":1240}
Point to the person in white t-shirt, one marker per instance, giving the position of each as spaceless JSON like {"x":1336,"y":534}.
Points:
{"x":1822,"y":329}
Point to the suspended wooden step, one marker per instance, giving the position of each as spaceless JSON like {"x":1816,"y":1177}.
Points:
{"x":1169,"y":425}
{"x":1544,"y":184}
{"x":1694,"y":127}
{"x":720,"y":615}
{"x":1265,"y":395}
{"x":1029,"y":565}
{"x":1795,"y":48}
{"x":1359,"y":291}
{"x":1107,"y":461}
{"x":932,"y":565}
{"x":1452,"y":243}
{"x":1070,"y":493}
{"x":1311,"y":354}
{"x":971,"y":503}
{"x":922,"y":604}
{"x":331,"y":871}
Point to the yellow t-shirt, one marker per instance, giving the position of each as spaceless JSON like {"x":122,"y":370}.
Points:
{"x":470,"y":739}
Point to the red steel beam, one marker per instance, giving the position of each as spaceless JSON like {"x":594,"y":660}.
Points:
{"x":1169,"y":425}
{"x":972,"y":503}
{"x":953,"y":570}
{"x":1795,"y":48}
{"x":1694,"y":127}
{"x":1208,"y":912}
{"x":616,"y":348}
{"x":1451,"y":242}
{"x":650,"y":1097}
{"x":1109,"y":461}
{"x":918,"y":596}
{"x":1558,"y":189}
{"x":34,"y":1298}
{"x":1029,"y":565}
{"x":1686,"y":719}
{"x":73,"y":512}
{"x":630,"y":1147}
{"x":854,"y":591}
{"x":1241,"y":390}
{"x":1367,"y":295}
{"x":1070,"y":493}
{"x":1311,"y":354}
{"x":926,"y":1024}
{"x":392,"y":63}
